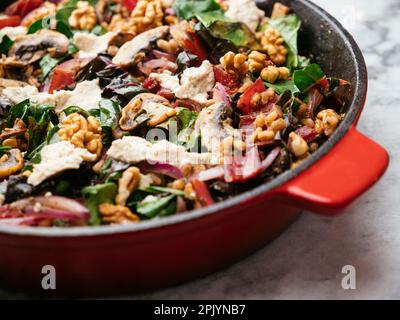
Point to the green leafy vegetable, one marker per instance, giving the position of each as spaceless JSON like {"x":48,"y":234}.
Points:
{"x":187,"y":137}
{"x":64,"y":28}
{"x":186,"y":118}
{"x":108,"y":114}
{"x":157,"y":190}
{"x":304,"y":79}
{"x":224,"y":28}
{"x":281,"y":87}
{"x":47,"y":63}
{"x":37,"y":118}
{"x":186,"y":9}
{"x":5,"y":44}
{"x":18,"y":111}
{"x":3,"y":150}
{"x":153,"y":206}
{"x":99,"y":30}
{"x":76,"y":109}
{"x":289,"y":27}
{"x":37,"y":25}
{"x":96,"y":195}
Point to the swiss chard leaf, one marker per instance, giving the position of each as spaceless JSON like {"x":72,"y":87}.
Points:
{"x":47,"y":64}
{"x":186,"y":118}
{"x":224,"y":28}
{"x":99,"y":30}
{"x":108,"y":114}
{"x":5,"y":44}
{"x":3,"y":150}
{"x":36,"y":26}
{"x":281,"y":87}
{"x":158,"y":190}
{"x":156,"y":206}
{"x":76,"y":109}
{"x":20,"y":111}
{"x":186,"y":9}
{"x":289,"y":27}
{"x":306,"y":78}
{"x":96,"y":195}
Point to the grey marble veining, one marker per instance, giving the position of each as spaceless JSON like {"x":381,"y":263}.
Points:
{"x":306,"y":261}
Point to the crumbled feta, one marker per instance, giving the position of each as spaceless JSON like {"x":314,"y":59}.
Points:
{"x":214,"y":129}
{"x":87,"y":95}
{"x":245,"y":11}
{"x":195,"y":83}
{"x":166,"y":80}
{"x":90,"y":45}
{"x":56,"y":158}
{"x":13,"y":32}
{"x":135,"y":149}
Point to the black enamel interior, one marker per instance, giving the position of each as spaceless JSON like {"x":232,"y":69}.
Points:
{"x":329,"y":44}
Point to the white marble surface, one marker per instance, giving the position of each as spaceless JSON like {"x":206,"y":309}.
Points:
{"x":306,"y":261}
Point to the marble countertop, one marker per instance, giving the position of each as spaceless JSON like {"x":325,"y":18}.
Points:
{"x":306,"y":261}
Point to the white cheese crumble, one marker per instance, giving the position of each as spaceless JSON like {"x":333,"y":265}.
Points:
{"x":135,"y":149}
{"x":245,"y":11}
{"x":56,"y":158}
{"x":90,"y":45}
{"x":195,"y":82}
{"x":13,"y":32}
{"x":166,"y":80}
{"x":87,"y":95}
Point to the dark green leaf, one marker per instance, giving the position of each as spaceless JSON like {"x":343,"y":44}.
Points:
{"x":186,"y":9}
{"x":18,"y":111}
{"x":96,"y":195}
{"x":158,"y":190}
{"x":64,"y":28}
{"x":108,"y":115}
{"x":76,"y":109}
{"x":306,"y":78}
{"x":36,"y":26}
{"x":154,"y":207}
{"x":5,"y":44}
{"x":47,"y":63}
{"x":130,"y":92}
{"x":3,"y":150}
{"x":289,"y":27}
{"x":281,"y":87}
{"x":186,"y":118}
{"x":223,"y":28}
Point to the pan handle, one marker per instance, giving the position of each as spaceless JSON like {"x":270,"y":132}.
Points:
{"x":354,"y":165}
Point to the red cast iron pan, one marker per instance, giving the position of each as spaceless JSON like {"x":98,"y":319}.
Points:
{"x":134,"y":258}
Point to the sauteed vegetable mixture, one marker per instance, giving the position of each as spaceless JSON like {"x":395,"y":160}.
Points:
{"x":119,"y":111}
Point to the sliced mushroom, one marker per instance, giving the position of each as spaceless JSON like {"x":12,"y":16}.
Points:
{"x":156,"y":108}
{"x":120,"y":38}
{"x":30,"y":48}
{"x":214,"y":125}
{"x":10,"y":163}
{"x":18,"y":129}
{"x":133,"y":51}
